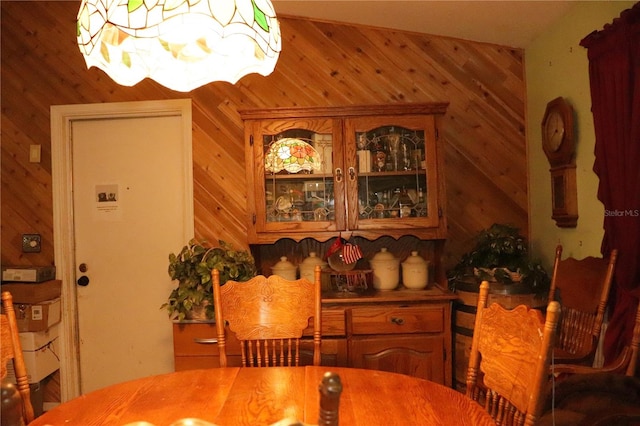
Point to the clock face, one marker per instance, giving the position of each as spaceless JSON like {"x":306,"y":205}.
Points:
{"x":554,"y":129}
{"x":557,"y":132}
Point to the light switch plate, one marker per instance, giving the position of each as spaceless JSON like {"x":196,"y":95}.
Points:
{"x":31,"y":243}
{"x":35,"y":152}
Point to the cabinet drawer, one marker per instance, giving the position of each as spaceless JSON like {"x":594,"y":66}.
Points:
{"x":397,"y":320}
{"x":333,"y":323}
{"x":200,"y":339}
{"x":194,"y":339}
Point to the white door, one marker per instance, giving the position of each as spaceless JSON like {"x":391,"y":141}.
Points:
{"x":131,"y":208}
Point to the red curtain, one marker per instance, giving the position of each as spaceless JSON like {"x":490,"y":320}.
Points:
{"x":614,"y":73}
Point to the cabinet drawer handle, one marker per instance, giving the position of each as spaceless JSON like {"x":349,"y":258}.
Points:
{"x":205,"y":341}
{"x":398,"y":321}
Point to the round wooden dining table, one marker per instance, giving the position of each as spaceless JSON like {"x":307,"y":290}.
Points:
{"x":267,"y":395}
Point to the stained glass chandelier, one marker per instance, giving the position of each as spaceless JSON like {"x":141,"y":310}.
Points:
{"x":182,"y":44}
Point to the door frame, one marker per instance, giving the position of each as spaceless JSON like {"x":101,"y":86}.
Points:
{"x":62,"y":118}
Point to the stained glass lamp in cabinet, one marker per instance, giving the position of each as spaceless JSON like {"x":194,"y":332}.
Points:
{"x":182,"y":44}
{"x":292,"y":155}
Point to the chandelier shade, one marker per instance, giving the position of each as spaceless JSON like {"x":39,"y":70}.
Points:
{"x":181,"y":44}
{"x":292,"y":155}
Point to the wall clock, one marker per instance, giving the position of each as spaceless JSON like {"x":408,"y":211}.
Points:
{"x":559,"y":147}
{"x":557,"y":132}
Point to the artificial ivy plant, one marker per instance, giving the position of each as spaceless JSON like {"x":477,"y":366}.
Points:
{"x":500,"y":254}
{"x":192,"y":267}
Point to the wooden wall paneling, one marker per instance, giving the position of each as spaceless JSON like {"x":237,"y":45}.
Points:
{"x":322,"y":63}
{"x":386,"y":80}
{"x":474,"y":205}
{"x":307,"y":59}
{"x":418,"y":72}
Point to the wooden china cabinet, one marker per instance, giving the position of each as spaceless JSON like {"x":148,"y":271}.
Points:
{"x":370,"y":173}
{"x":367,"y":171}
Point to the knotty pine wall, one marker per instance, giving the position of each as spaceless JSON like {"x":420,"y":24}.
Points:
{"x":321,"y":64}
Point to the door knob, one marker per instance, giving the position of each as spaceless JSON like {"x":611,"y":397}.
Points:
{"x":83,"y":281}
{"x":82,"y":267}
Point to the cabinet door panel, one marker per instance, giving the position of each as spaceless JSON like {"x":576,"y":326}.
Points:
{"x":398,"y":188}
{"x":297,"y":172}
{"x":419,"y":356}
{"x":333,"y":352}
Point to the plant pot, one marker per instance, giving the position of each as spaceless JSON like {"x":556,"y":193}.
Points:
{"x":490,"y":274}
{"x":198,"y":312}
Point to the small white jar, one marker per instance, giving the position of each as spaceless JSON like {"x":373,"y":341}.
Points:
{"x":285,"y":269}
{"x":386,"y":270}
{"x":415,"y":272}
{"x":308,"y":266}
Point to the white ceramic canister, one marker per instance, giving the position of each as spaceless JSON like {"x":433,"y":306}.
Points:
{"x":285,"y":269}
{"x":386,"y":270}
{"x":308,"y":266}
{"x":415,"y":272}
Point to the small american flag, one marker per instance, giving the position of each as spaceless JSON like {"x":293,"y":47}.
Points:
{"x":351,"y":253}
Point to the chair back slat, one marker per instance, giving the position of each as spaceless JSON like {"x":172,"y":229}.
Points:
{"x":510,"y":358}
{"x":268,"y":317}
{"x":576,"y":331}
{"x":270,"y":352}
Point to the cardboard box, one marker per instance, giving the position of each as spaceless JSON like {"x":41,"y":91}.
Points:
{"x":34,"y":293}
{"x":41,"y":354}
{"x":30,"y":274}
{"x":38,"y":317}
{"x":34,"y":340}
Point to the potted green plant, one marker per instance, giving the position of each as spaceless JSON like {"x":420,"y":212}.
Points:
{"x":191,"y":267}
{"x":501,"y":255}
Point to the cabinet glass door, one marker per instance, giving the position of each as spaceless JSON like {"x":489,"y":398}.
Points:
{"x":396,"y":173}
{"x":299,"y":188}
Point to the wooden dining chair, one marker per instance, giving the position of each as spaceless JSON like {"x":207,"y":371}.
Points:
{"x":11,"y":349}
{"x":582,"y":288}
{"x":268,"y":317}
{"x":626,"y":363}
{"x":509,"y":360}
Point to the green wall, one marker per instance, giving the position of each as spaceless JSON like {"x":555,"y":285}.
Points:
{"x":556,"y":65}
